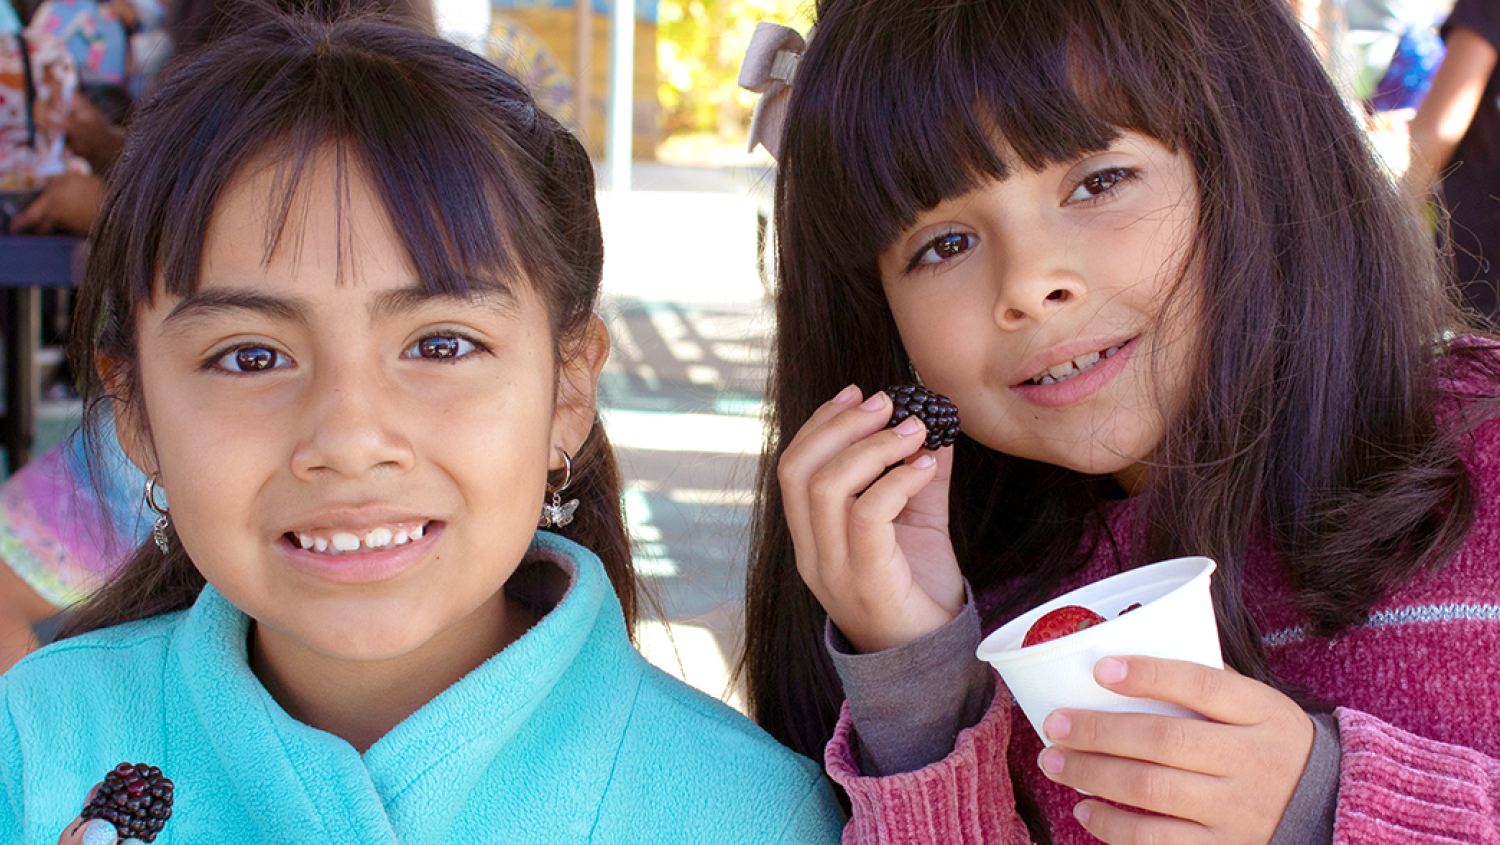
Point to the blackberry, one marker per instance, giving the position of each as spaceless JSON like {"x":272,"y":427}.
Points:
{"x":935,"y":411}
{"x":136,"y":799}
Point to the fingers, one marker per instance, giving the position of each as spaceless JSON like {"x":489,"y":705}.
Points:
{"x":1233,"y":771}
{"x":91,"y":832}
{"x":35,"y":218}
{"x":847,"y":482}
{"x":1122,"y":827}
{"x":849,"y":488}
{"x":1218,"y":694}
{"x":821,"y":472}
{"x":1181,"y":743}
{"x":1135,"y":783}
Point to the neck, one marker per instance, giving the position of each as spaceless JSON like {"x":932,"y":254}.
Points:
{"x":1133,"y":478}
{"x":361,"y":701}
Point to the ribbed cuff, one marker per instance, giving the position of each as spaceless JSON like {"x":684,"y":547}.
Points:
{"x":965,"y":798}
{"x":909,"y":703}
{"x":1396,"y":787}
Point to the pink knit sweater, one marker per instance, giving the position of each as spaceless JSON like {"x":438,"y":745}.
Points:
{"x":1419,"y":717}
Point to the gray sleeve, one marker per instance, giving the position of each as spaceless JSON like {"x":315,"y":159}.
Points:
{"x":908,"y":704}
{"x":1308,"y":819}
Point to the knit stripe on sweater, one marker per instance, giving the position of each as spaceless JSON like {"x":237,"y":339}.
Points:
{"x":1400,"y":616}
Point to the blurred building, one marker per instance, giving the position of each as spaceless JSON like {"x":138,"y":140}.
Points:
{"x":546,"y":44}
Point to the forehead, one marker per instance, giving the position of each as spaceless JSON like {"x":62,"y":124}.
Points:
{"x":321,"y":224}
{"x":328,"y":221}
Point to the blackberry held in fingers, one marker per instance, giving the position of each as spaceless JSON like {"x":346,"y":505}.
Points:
{"x":937,"y":412}
{"x":136,"y":799}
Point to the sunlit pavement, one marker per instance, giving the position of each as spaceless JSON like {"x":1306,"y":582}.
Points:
{"x":681,"y":399}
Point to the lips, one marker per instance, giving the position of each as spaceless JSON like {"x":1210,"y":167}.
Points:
{"x":1063,"y":375}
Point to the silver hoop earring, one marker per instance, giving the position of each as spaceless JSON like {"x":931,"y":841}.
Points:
{"x":557,"y":512}
{"x":163,"y":521}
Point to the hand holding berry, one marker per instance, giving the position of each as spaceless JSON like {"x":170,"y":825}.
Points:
{"x":133,"y":801}
{"x":1224,"y":780}
{"x":872,"y":545}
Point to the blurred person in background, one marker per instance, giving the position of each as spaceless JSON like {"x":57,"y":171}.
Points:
{"x":69,"y":201}
{"x":1455,"y":150}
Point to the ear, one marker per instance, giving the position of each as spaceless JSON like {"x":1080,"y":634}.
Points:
{"x":129,"y":416}
{"x":577,"y":380}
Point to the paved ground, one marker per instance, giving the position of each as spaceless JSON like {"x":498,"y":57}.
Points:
{"x":681,"y":395}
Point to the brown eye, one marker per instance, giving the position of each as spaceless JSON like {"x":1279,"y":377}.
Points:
{"x":440,"y":348}
{"x":944,"y":247}
{"x":950,"y":245}
{"x":1099,"y":183}
{"x":253,"y":359}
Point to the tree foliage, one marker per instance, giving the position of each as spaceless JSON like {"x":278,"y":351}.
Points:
{"x":699,"y":47}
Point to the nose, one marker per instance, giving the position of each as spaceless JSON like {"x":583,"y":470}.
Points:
{"x":353,"y":419}
{"x":1035,"y":283}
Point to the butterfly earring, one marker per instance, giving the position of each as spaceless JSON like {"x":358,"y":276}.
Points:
{"x":557,"y":512}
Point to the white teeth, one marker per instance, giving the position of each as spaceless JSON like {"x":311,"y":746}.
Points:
{"x":1068,"y":369}
{"x":343,"y":542}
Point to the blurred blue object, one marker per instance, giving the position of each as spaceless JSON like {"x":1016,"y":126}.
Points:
{"x":1409,"y":77}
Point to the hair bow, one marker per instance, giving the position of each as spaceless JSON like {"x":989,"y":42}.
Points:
{"x":770,"y":66}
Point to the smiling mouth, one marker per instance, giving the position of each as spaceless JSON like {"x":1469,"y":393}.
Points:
{"x":1062,"y":372}
{"x":353,"y":543}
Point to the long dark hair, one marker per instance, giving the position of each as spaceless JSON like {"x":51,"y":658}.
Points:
{"x":478,"y":181}
{"x":197,"y":22}
{"x":1311,"y":422}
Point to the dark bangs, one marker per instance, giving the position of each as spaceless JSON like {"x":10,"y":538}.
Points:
{"x":926,"y":101}
{"x":447,"y":160}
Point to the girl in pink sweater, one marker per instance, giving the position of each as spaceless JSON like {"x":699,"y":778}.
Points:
{"x":1145,"y":249}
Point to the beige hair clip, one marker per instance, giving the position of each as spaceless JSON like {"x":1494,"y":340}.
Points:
{"x":770,"y":66}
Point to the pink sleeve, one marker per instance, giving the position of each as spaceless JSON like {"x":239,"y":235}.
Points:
{"x":1396,"y":788}
{"x":965,"y":798}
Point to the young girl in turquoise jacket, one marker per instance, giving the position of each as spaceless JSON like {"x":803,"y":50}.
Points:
{"x":341,"y":301}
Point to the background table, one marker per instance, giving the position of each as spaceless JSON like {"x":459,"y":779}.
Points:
{"x":28,"y":263}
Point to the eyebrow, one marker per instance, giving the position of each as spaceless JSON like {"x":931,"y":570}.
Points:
{"x":209,"y":301}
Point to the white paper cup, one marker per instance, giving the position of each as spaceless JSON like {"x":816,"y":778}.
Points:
{"x":1175,"y":620}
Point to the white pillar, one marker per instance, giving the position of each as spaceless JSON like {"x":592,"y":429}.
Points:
{"x":621,"y":94}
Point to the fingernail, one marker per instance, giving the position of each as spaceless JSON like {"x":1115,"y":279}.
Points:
{"x":1051,"y":761}
{"x":908,"y":427}
{"x":924,"y":461}
{"x":1082,"y":812}
{"x":98,"y":832}
{"x":846,"y":395}
{"x":1110,"y":670}
{"x":874,"y":402}
{"x":1057,"y":726}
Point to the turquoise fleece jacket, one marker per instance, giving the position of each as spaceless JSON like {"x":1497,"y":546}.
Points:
{"x":566,"y":736}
